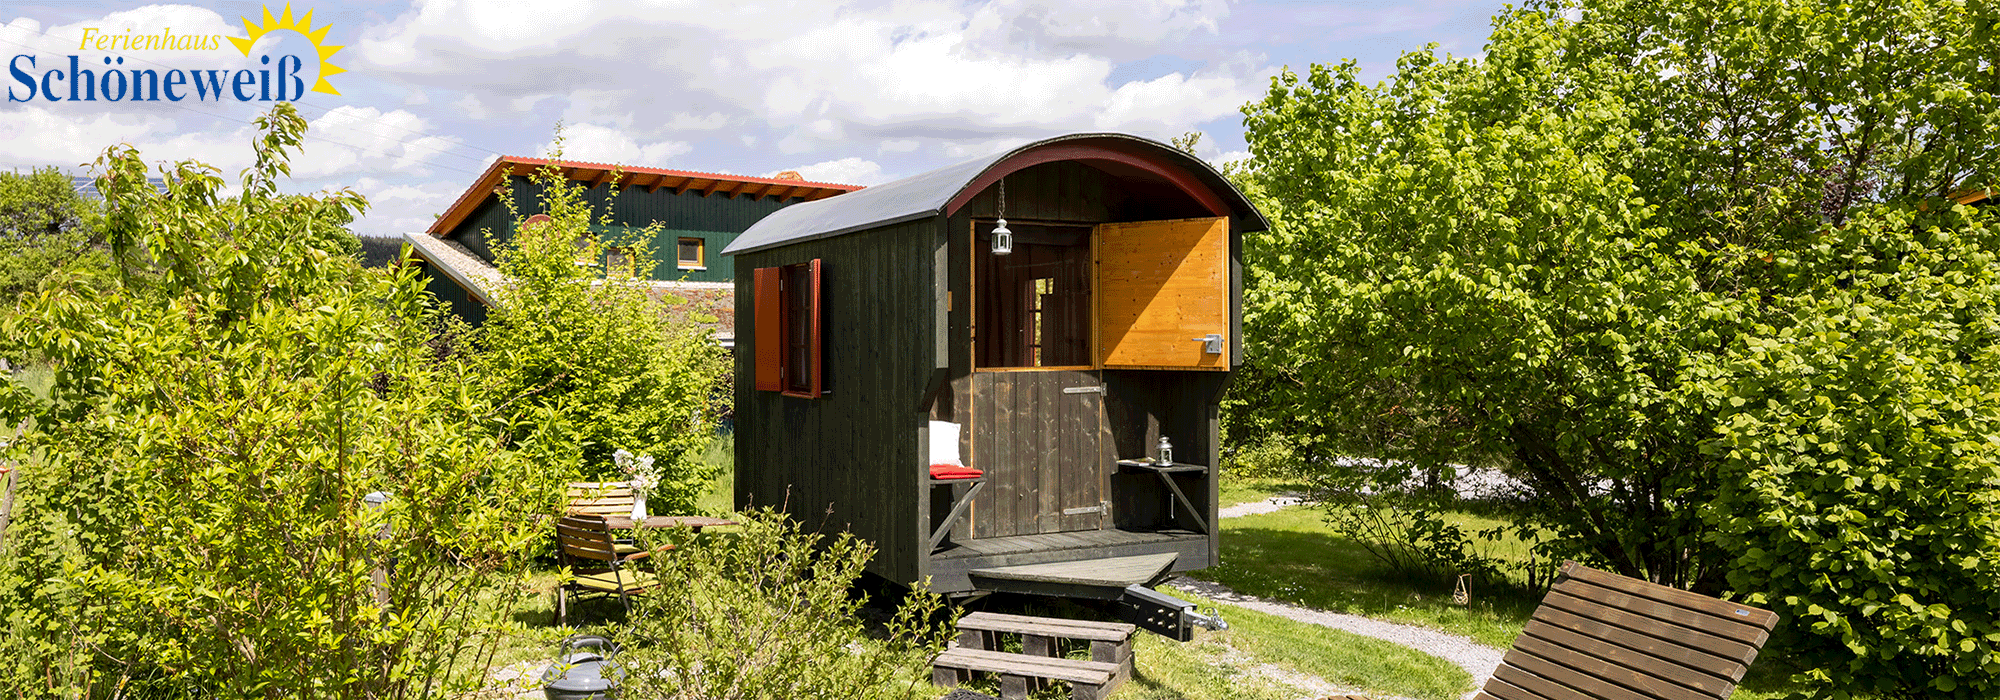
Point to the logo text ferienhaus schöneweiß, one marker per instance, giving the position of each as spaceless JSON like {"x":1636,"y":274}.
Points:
{"x":92,"y":77}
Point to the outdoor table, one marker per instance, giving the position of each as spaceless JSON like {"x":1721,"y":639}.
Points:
{"x":1166,"y":474}
{"x":694,"y":522}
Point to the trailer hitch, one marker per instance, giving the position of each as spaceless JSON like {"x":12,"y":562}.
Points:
{"x":1166,"y":615}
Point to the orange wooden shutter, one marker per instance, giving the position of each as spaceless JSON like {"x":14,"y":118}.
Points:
{"x":769,"y":338}
{"x":1161,"y":285}
{"x":815,"y":351}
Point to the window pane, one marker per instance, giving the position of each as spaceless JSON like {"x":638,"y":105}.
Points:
{"x":798,"y":331}
{"x":690,"y":252}
{"x":1033,"y":306}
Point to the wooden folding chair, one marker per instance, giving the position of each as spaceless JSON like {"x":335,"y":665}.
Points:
{"x":1608,"y":637}
{"x":600,"y":497}
{"x":598,"y":566}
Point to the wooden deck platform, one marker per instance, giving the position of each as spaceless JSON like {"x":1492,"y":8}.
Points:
{"x":951,"y":569}
{"x":1090,"y":539}
{"x":1116,"y":572}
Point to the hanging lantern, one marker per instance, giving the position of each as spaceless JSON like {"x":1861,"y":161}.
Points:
{"x":1003,"y":239}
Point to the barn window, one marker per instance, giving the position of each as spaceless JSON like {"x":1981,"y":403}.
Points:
{"x":691,"y":254}
{"x":1033,"y":306}
{"x":788,"y":330}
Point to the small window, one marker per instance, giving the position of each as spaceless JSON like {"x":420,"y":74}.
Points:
{"x":618,"y":262}
{"x":788,"y":330}
{"x":691,"y":250}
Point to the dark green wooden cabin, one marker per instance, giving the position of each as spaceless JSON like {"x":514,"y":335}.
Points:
{"x":1114,"y":320}
{"x":700,"y":214}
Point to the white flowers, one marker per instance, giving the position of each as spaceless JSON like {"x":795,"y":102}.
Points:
{"x":638,"y":469}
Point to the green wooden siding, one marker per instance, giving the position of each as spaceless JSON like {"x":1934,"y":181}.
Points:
{"x":716,"y":219}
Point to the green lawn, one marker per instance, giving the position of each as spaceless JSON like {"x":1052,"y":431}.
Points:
{"x":1252,"y":489}
{"x":1259,"y":657}
{"x":1293,"y":556}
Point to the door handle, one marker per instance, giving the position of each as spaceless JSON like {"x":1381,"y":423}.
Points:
{"x":1211,"y":343}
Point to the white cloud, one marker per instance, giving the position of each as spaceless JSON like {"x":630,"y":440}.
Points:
{"x":844,"y":171}
{"x":361,"y":140}
{"x":601,"y":144}
{"x":40,"y":136}
{"x":395,"y":208}
{"x":825,"y":74}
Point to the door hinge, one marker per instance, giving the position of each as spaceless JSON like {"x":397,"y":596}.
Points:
{"x":1083,"y":389}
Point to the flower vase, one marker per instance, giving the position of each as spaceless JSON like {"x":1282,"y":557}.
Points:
{"x":638,"y":506}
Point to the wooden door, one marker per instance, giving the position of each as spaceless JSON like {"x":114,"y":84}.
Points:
{"x":1039,"y":436}
{"x":1161,"y":287}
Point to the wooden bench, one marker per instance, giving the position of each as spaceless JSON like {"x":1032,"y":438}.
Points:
{"x":1601,"y":635}
{"x":1040,"y":660}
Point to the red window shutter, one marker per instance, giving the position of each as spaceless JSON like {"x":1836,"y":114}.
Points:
{"x":815,"y":350}
{"x":769,"y":338}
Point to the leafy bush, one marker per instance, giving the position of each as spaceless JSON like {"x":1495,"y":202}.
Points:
{"x":191,"y":517}
{"x":591,"y":347}
{"x":1860,"y":463}
{"x":765,"y":613}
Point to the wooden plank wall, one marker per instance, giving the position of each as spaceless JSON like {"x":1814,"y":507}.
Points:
{"x":856,"y":450}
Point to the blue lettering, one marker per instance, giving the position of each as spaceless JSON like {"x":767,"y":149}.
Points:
{"x":298,"y":85}
{"x":123,"y":85}
{"x":14,"y":67}
{"x":243,"y":79}
{"x":149,"y":88}
{"x":264,"y":77}
{"x":214,"y":86}
{"x":47,"y":91}
{"x":88,"y":80}
{"x":174,"y":80}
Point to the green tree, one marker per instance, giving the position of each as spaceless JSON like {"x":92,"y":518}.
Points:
{"x":578,"y":336}
{"x":1628,"y":253}
{"x":193,"y":516}
{"x":45,"y":226}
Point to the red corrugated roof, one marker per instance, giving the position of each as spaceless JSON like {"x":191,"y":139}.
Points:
{"x":634,"y":176}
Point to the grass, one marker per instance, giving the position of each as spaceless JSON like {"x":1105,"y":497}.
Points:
{"x":719,"y":499}
{"x":1253,"y":489}
{"x":1292,"y":555}
{"x":1260,"y":657}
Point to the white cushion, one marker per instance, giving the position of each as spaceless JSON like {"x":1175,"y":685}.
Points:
{"x":944,"y":444}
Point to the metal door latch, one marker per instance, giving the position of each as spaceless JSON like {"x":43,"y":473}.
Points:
{"x":1211,"y":343}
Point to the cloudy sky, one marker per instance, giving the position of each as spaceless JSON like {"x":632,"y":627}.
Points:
{"x":842,"y":91}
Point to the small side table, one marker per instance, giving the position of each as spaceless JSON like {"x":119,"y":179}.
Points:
{"x":1166,"y":475}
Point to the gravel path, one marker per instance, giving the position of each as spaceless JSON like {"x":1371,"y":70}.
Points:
{"x":1268,"y":505}
{"x":1477,"y":659}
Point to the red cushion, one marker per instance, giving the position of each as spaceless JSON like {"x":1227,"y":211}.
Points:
{"x":953,"y":471}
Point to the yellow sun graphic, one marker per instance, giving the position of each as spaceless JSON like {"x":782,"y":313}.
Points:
{"x":304,"y":27}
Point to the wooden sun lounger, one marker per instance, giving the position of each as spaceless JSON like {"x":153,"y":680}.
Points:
{"x":1608,"y":637}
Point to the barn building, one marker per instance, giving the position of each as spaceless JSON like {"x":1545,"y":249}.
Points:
{"x":700,"y":213}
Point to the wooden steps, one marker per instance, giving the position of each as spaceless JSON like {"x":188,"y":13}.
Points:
{"x":1040,"y":663}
